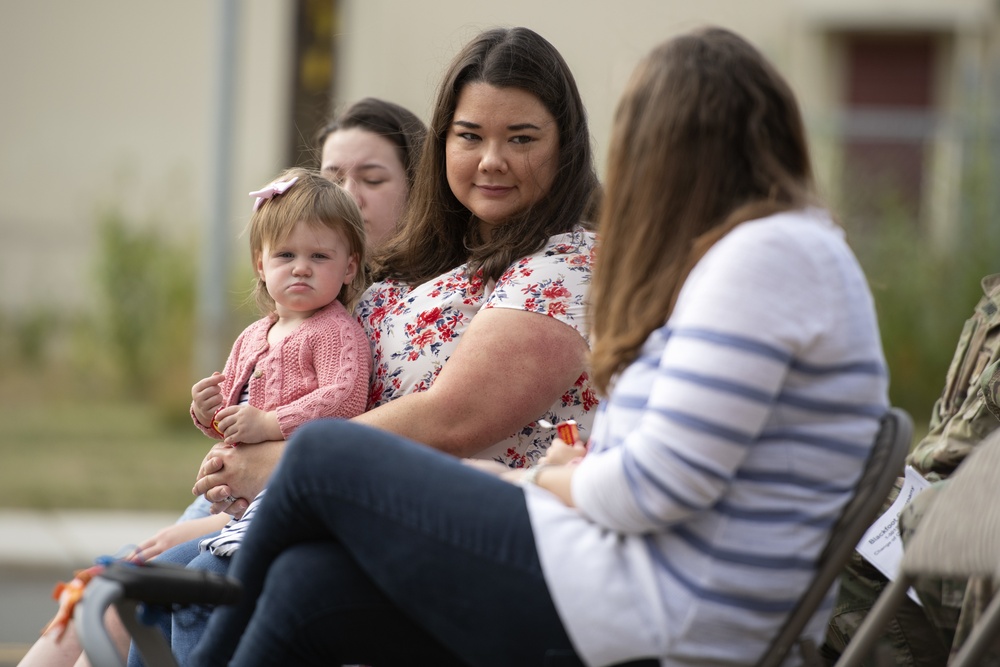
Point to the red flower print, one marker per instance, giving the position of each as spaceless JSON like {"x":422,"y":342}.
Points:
{"x":378,"y":314}
{"x":558,"y":308}
{"x":428,"y":317}
{"x":517,"y":459}
{"x":424,"y":338}
{"x":589,"y":400}
{"x":556,"y":291}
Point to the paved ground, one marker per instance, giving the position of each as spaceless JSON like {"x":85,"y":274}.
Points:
{"x":39,"y":549}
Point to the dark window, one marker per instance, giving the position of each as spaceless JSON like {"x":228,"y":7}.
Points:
{"x":888,"y":120}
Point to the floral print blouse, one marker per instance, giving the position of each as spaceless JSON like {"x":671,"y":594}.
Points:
{"x":414,"y":331}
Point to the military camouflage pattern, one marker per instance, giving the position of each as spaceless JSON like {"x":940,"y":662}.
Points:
{"x":966,"y":412}
{"x":909,"y":640}
{"x":961,"y":417}
{"x":952,"y":605}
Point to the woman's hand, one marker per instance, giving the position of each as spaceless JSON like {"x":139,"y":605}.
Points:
{"x":240,"y":472}
{"x":175,"y":534}
{"x":559,"y":453}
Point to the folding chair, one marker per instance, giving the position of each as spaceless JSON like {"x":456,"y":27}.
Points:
{"x":959,"y":536}
{"x":126,"y":586}
{"x":885,"y":463}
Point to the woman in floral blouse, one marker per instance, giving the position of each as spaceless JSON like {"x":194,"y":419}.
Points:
{"x":477,"y":313}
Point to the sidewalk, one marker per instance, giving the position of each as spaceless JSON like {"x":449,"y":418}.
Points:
{"x":71,"y":538}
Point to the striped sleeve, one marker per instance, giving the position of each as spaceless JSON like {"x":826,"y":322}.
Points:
{"x":683,"y":419}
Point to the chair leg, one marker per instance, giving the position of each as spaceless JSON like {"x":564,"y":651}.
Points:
{"x":982,"y":637}
{"x":871,"y":630}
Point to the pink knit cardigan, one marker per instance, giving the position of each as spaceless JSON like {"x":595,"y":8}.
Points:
{"x":319,"y":370}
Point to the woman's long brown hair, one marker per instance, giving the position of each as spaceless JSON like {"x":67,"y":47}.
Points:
{"x":707,"y":135}
{"x":437,"y":233}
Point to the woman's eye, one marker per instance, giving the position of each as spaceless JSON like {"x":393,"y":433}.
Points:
{"x":468,"y":136}
{"x":522,"y":139}
{"x":374,"y":181}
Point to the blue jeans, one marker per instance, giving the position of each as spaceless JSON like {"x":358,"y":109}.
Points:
{"x":198,"y":509}
{"x":184,"y":627}
{"x":372,"y":549}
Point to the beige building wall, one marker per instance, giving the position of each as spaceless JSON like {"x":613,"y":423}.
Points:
{"x":110,"y":102}
{"x":400,"y":50}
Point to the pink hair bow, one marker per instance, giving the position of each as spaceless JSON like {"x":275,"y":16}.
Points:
{"x":274,"y":189}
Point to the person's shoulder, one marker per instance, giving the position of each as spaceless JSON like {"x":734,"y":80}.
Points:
{"x":257,"y":328}
{"x":794,"y":223}
{"x":803,"y":232}
{"x":572,"y":242}
{"x":335,"y":313}
{"x":573,"y":250}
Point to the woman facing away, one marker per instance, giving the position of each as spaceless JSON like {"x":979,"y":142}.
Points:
{"x":735,"y":338}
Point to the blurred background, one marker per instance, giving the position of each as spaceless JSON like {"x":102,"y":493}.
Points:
{"x":130,"y":134}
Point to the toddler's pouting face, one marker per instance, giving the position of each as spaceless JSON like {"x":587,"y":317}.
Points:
{"x":307,"y":270}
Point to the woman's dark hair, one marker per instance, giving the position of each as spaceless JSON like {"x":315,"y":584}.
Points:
{"x":707,"y":135}
{"x":386,"y":119}
{"x":438,"y":232}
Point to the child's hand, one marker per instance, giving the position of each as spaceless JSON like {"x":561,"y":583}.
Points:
{"x":207,"y":397}
{"x":175,"y":534}
{"x":559,"y":453}
{"x":246,"y":424}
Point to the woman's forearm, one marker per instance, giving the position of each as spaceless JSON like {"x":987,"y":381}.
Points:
{"x":508,"y":369}
{"x":421,"y":418}
{"x":556,"y":479}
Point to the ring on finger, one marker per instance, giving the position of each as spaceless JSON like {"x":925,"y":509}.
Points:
{"x":230,"y":499}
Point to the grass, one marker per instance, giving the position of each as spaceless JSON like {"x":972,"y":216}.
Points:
{"x":91,"y":453}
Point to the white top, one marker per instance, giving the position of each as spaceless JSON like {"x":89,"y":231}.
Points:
{"x":723,"y":455}
{"x":414,"y":331}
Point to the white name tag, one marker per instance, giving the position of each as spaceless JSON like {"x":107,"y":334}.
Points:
{"x":881,"y":545}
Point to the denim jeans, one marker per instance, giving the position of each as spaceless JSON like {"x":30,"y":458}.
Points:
{"x":372,"y":549}
{"x":198,"y":509}
{"x":184,"y":627}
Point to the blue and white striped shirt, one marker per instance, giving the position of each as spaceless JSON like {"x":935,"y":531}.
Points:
{"x":723,"y":455}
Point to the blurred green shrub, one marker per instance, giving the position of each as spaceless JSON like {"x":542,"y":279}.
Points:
{"x":923,"y":292}
{"x":146,"y":313}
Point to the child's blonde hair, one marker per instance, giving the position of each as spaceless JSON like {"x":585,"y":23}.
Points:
{"x":317,"y":202}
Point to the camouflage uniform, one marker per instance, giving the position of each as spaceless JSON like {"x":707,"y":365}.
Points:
{"x":965,"y":413}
